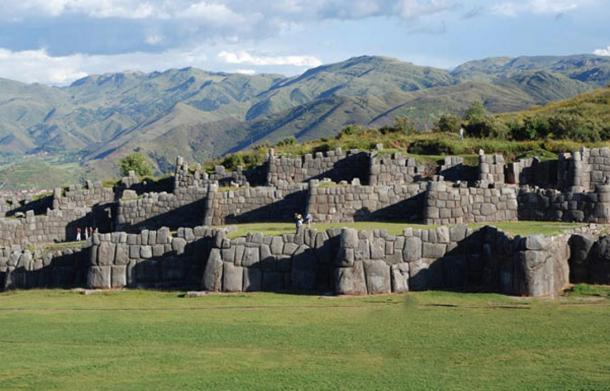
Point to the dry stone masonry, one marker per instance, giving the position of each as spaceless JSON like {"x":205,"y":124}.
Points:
{"x":135,"y":247}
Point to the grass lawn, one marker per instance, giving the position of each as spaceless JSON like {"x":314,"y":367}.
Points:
{"x":432,"y":340}
{"x":512,"y":227}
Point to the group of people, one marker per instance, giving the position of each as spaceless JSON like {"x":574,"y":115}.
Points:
{"x":300,"y":220}
{"x":84,"y":233}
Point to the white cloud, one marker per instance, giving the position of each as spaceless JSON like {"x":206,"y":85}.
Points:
{"x":540,"y":7}
{"x":246,"y":71}
{"x":37,"y":66}
{"x":602,"y":52}
{"x":243,"y":57}
{"x":226,"y":11}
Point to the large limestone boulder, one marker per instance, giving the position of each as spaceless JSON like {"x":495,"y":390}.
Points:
{"x":350,"y":280}
{"x":377,"y":277}
{"x":212,"y":275}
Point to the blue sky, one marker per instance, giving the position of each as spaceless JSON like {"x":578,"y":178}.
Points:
{"x":59,"y":41}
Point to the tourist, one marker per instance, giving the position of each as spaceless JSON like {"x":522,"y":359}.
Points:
{"x":86,"y":233}
{"x":461,"y":133}
{"x":78,"y":235}
{"x":299,"y":221}
{"x":308,"y":219}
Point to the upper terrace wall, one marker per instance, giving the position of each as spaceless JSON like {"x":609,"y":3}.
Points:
{"x":585,"y":169}
{"x":185,"y":207}
{"x":330,"y":202}
{"x":446,"y":203}
{"x":555,"y":205}
{"x":252,"y":204}
{"x":533,"y":172}
{"x":394,"y":169}
{"x":335,"y":165}
{"x":491,"y":168}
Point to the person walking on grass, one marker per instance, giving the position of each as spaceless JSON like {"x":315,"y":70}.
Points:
{"x":299,"y":221}
{"x":308,"y":220}
{"x":78,"y":234}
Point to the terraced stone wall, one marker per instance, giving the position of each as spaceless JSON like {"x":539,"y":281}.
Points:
{"x":150,"y":259}
{"x":336,"y":165}
{"x":330,"y":202}
{"x":447,"y":203}
{"x":254,"y":204}
{"x":185,"y":207}
{"x":395,"y":169}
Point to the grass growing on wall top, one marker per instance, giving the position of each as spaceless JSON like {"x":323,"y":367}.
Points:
{"x":522,"y":228}
{"x":143,"y":340}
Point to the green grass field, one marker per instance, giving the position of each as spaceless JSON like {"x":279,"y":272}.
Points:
{"x":522,"y":228}
{"x":433,"y":340}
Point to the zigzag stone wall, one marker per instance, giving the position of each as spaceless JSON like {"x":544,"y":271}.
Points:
{"x":355,"y":262}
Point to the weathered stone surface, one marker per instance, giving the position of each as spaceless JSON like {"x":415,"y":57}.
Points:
{"x":98,"y":277}
{"x":433,"y":250}
{"x":303,"y":271}
{"x":119,"y":276}
{"x":350,"y":280}
{"x":212,"y":275}
{"x":580,"y":247}
{"x":537,"y":242}
{"x":377,"y":277}
{"x":122,"y":254}
{"x":252,"y":279}
{"x":413,"y":249}
{"x":105,"y":254}
{"x":178,"y":245}
{"x":232,"y":277}
{"x":251,"y":256}
{"x":400,"y":277}
{"x":146,"y":252}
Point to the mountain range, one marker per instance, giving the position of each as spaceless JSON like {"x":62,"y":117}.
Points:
{"x":200,"y":114}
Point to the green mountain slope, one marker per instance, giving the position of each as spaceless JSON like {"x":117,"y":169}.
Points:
{"x":201,"y":114}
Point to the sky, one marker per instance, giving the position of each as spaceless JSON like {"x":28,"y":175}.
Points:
{"x":58,"y":41}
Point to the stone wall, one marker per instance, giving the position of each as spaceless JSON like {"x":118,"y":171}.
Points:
{"x":453,"y":169}
{"x":185,"y":207}
{"x":254,"y":204}
{"x":298,"y":262}
{"x":394,"y":169}
{"x":533,"y":172}
{"x":150,"y":259}
{"x":556,"y":205}
{"x":56,"y":225}
{"x":330,"y":202}
{"x":82,"y":196}
{"x":491,"y":169}
{"x":335,"y":165}
{"x":355,"y":262}
{"x":446,"y":203}
{"x":583,"y":170}
{"x":64,"y":268}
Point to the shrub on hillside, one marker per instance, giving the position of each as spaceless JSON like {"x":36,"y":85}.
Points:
{"x":137,"y":163}
{"x":449,"y":123}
